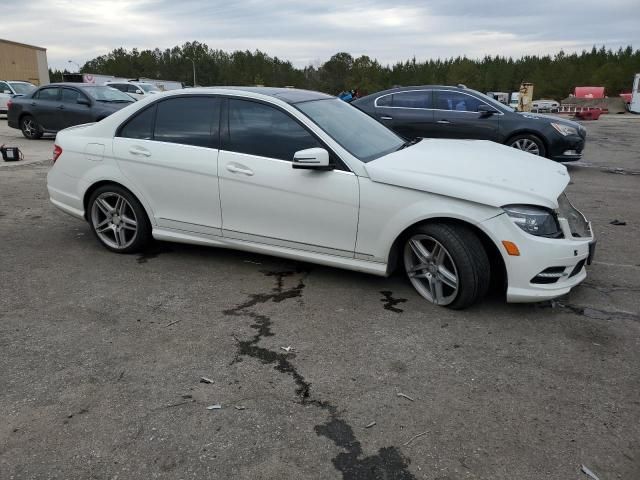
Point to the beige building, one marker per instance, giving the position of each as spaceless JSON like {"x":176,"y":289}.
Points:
{"x":19,"y":61}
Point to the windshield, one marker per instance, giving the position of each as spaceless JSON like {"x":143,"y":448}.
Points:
{"x":107,"y":94}
{"x":355,"y":131}
{"x":492,"y":101}
{"x":147,"y":87}
{"x":22,"y":88}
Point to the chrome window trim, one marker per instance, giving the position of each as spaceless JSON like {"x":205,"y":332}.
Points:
{"x":375,"y":103}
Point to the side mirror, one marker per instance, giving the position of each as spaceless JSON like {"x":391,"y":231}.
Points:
{"x":139,"y":92}
{"x":312,"y":159}
{"x":486,"y":110}
{"x":83,"y":101}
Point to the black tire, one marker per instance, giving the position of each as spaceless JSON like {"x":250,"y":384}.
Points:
{"x":524,"y":140}
{"x":115,"y":221}
{"x":467,"y":254}
{"x":31,"y":129}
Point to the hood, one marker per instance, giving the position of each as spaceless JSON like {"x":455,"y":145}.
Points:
{"x":113,"y":107}
{"x":475,"y":170}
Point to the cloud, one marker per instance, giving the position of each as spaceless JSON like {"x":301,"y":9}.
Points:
{"x":304,"y":32}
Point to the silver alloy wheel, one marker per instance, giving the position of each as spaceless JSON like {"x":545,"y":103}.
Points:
{"x":431,"y":269}
{"x":29,"y":127}
{"x":114,"y":220}
{"x":526,"y":145}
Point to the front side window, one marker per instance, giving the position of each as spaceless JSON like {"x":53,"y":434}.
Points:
{"x":358,"y":133}
{"x":456,"y":101}
{"x":48,"y":94}
{"x":70,"y":96}
{"x":413,"y":99}
{"x":131,"y":89}
{"x":188,"y":121}
{"x":259,"y":129}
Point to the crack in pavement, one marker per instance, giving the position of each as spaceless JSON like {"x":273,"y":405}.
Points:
{"x":388,"y":463}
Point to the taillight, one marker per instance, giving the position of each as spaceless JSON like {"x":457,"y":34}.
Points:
{"x":9,"y":103}
{"x":57,"y":151}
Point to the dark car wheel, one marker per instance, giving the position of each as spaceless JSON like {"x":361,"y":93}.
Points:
{"x":30,"y":128}
{"x":118,"y":220}
{"x":528,"y":143}
{"x":447,"y":264}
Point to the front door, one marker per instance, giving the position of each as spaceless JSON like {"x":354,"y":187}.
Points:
{"x":47,"y":109}
{"x":169,"y":151}
{"x":456,"y":116}
{"x":74,"y":113}
{"x":265,"y":200}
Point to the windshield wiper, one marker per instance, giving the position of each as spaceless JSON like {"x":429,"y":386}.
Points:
{"x":409,"y":143}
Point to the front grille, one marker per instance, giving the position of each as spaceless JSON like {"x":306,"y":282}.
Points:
{"x":577,"y":223}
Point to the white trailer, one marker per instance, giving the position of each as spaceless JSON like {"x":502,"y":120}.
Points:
{"x":634,"y":105}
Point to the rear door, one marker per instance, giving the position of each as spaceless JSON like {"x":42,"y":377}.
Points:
{"x":47,"y":108}
{"x":169,"y":151}
{"x":75,"y":113}
{"x":456,"y":116}
{"x":408,"y":113}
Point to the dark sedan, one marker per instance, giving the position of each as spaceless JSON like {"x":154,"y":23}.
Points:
{"x":60,"y":105}
{"x":459,"y":112}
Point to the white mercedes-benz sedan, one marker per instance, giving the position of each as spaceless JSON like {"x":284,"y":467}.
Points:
{"x":305,"y":176}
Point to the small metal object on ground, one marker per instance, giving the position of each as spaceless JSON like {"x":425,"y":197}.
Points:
{"x":405,"y":396}
{"x":588,"y":472}
{"x":205,"y":380}
{"x":240,"y":407}
{"x":413,"y":438}
{"x":370,"y":425}
{"x":172,"y":323}
{"x":287,"y":349}
{"x":214,"y":407}
{"x":618,"y":222}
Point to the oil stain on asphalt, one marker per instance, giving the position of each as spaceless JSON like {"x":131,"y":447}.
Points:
{"x":388,"y":463}
{"x":390,"y":302}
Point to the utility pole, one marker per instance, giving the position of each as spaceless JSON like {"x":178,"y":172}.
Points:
{"x":194,"y":70}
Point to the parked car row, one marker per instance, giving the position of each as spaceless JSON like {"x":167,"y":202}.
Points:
{"x":306,"y":176}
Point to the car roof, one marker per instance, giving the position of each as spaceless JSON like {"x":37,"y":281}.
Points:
{"x":71,"y":84}
{"x":288,"y":95}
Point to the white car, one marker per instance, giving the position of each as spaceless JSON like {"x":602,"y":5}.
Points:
{"x":305,"y":176}
{"x":135,"y":90}
{"x":9,"y":89}
{"x":544,"y":106}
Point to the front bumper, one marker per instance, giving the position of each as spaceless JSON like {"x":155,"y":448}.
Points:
{"x":566,"y":149}
{"x":527,"y":277}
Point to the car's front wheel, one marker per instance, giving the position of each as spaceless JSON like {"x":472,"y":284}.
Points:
{"x":447,"y":264}
{"x":31,"y":129}
{"x":118,"y":220}
{"x":528,"y":143}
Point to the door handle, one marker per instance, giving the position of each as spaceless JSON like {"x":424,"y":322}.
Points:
{"x":237,"y":169}
{"x":139,"y":151}
{"x":33,"y":104}
{"x":386,"y":118}
{"x":60,"y":107}
{"x":444,"y":122}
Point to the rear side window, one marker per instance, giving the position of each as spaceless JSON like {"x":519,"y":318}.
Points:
{"x":385,"y":101}
{"x":414,"y":99}
{"x":48,"y":94}
{"x":140,"y":126}
{"x":456,"y":101}
{"x":188,"y":121}
{"x":259,"y":129}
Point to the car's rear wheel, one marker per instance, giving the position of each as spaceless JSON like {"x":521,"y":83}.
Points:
{"x":30,"y":128}
{"x":118,"y":220}
{"x":528,"y":143}
{"x":447,"y":264}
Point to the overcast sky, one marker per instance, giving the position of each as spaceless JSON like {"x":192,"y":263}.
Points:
{"x":310,"y":31}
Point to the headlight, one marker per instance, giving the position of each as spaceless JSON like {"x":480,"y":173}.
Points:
{"x":537,"y":221}
{"x":564,"y":130}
